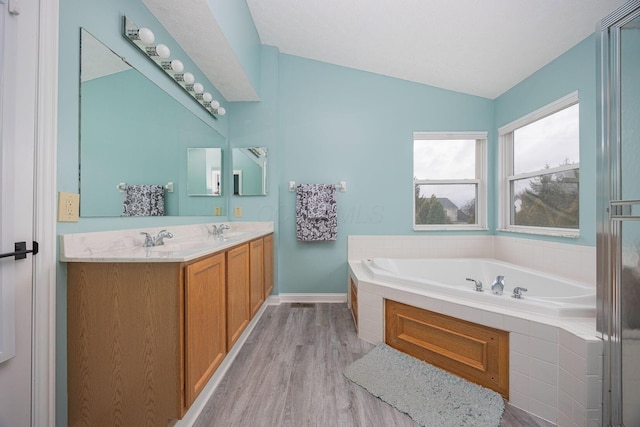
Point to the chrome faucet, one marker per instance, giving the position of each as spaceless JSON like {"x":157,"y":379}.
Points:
{"x":150,"y":242}
{"x":498,"y":285}
{"x":517,"y":292}
{"x":216,"y":231}
{"x":478,"y":284}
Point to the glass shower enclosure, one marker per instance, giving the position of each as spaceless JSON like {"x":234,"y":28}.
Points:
{"x":618,"y":242}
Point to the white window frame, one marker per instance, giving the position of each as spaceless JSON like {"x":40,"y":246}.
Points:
{"x":480,"y":180}
{"x":505,"y":139}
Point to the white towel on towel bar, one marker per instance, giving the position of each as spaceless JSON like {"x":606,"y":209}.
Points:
{"x":316,"y":212}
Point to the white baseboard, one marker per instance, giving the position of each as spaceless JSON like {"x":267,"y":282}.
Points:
{"x":311,"y":298}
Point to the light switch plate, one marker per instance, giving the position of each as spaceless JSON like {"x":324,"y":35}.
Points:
{"x":217,"y":211}
{"x":237,"y":211}
{"x":68,"y":207}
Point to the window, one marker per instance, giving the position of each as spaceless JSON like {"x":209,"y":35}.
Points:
{"x":449,"y":180}
{"x":541,"y":170}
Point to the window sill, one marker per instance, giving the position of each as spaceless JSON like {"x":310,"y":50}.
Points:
{"x":551,"y":232}
{"x":449,"y":228}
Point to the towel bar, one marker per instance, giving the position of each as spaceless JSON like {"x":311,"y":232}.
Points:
{"x":123,"y":186}
{"x":342,"y":186}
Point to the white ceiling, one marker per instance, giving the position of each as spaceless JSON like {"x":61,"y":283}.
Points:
{"x":477,"y":47}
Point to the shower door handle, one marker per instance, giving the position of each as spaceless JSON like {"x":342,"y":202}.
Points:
{"x":21,"y":251}
{"x":620,"y":210}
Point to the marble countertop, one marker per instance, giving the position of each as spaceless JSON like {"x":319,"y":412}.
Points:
{"x":189,"y":242}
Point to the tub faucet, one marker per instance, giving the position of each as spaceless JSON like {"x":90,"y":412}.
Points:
{"x":150,"y":242}
{"x":478,"y":284}
{"x":498,"y":285}
{"x":517,"y":292}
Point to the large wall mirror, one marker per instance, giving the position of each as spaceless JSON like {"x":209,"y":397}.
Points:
{"x":249,"y":171}
{"x":133,"y":132}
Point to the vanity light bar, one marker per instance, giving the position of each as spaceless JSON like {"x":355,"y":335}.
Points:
{"x":143,"y":39}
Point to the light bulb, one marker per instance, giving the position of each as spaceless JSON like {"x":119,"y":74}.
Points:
{"x":198,"y":88}
{"x":222,"y":111}
{"x":176,"y":66}
{"x":215,"y":104}
{"x":188,"y":78}
{"x":163,"y":51}
{"x":206,"y":97}
{"x":146,"y":36}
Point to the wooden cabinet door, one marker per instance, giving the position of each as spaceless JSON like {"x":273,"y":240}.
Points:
{"x":256,"y":278}
{"x":268,"y":265}
{"x":238,"y":304}
{"x":124,"y":343}
{"x":205,"y":322}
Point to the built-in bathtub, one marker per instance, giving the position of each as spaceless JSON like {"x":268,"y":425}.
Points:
{"x":555,"y":353}
{"x":546,"y":294}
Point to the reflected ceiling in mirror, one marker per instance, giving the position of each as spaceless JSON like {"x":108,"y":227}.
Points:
{"x":132,"y":131}
{"x":249,"y":171}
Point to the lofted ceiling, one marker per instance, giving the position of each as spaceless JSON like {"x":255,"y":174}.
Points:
{"x":476,"y":47}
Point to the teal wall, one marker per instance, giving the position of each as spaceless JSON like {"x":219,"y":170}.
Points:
{"x":339,"y":124}
{"x":573,"y":71}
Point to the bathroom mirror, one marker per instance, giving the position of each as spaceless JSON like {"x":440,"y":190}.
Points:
{"x":204,"y":172}
{"x":249,"y":171}
{"x":133,"y":132}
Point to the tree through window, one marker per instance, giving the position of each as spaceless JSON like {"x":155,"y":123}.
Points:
{"x":541,"y":154}
{"x":449,"y":180}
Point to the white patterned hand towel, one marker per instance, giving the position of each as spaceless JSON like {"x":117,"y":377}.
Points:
{"x":143,"y":200}
{"x":316,"y":212}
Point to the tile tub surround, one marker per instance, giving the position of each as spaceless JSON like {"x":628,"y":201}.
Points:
{"x":571,"y":261}
{"x":189,"y":242}
{"x":555,"y":364}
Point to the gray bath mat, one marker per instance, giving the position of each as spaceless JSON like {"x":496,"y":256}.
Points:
{"x":431,"y":396}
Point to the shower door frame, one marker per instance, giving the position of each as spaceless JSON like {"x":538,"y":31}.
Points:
{"x":609,"y":244}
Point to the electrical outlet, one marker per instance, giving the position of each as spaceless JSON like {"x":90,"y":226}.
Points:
{"x":68,"y":207}
{"x":237,"y":211}
{"x":217,"y":211}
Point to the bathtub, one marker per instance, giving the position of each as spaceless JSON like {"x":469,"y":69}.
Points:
{"x":546,"y":294}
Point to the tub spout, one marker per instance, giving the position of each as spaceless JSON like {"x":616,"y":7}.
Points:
{"x":498,"y":285}
{"x":478,"y":284}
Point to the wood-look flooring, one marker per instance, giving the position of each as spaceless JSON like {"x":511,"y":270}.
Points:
{"x":289,"y":373}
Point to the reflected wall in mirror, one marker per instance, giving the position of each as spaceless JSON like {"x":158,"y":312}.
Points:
{"x":204,"y":171}
{"x":132,"y":131}
{"x":249,"y":171}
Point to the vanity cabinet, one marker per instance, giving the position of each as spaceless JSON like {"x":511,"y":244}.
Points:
{"x":268,"y":265}
{"x":125,"y":343}
{"x":144,"y":338}
{"x":256,"y":278}
{"x":238,"y":302}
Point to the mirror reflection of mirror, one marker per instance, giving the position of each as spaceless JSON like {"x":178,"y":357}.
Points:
{"x":132,"y":131}
{"x":249,"y":171}
{"x":204,"y":172}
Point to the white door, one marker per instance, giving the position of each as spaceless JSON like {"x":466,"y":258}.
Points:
{"x":19,"y":55}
